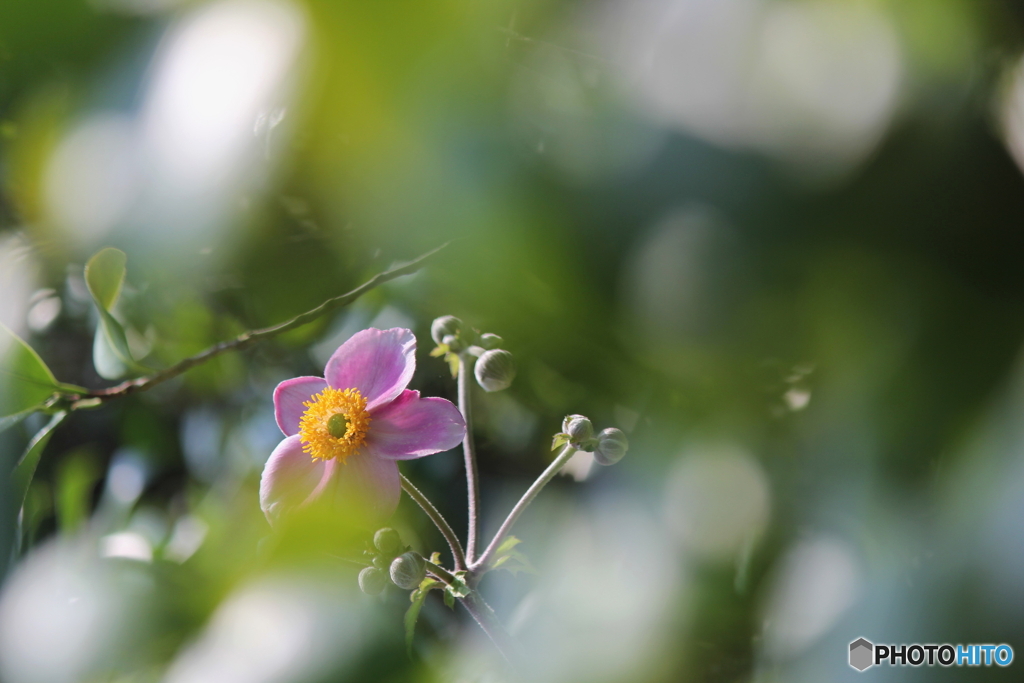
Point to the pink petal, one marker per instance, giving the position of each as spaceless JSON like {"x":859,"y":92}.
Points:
{"x":411,"y":427}
{"x":379,"y":363}
{"x":289,"y":397}
{"x":289,"y":478}
{"x":364,"y":485}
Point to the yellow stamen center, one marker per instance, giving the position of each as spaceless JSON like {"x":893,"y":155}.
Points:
{"x":334,"y":424}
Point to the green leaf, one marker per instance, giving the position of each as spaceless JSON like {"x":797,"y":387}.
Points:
{"x":38,"y":505}
{"x":26,"y":467}
{"x":559,"y":441}
{"x":510,"y":559}
{"x":111,"y":336}
{"x":8,"y":421}
{"x":458,"y":587}
{"x":108,"y":363}
{"x":451,"y":358}
{"x":76,"y":477}
{"x":514,"y":563}
{"x":413,"y":614}
{"x":27,"y":381}
{"x":104,"y":276}
{"x":507,"y":545}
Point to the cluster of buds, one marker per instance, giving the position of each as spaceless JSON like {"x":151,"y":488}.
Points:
{"x":495,"y":368}
{"x":405,"y":567}
{"x":608,"y":445}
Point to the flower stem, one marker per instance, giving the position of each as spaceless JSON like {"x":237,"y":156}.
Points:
{"x":439,"y":521}
{"x":485,"y":617}
{"x":466,"y":362}
{"x":439,"y":571}
{"x":482,"y":614}
{"x":481,"y":564}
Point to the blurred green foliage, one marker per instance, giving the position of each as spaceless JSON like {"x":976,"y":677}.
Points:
{"x":854,"y":334}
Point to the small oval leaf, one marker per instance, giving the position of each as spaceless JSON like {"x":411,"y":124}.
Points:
{"x":106,"y":360}
{"x":26,"y":468}
{"x":26,"y":380}
{"x":104,"y":276}
{"x":416,"y":597}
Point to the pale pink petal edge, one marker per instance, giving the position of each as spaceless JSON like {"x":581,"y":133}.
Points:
{"x":289,"y":397}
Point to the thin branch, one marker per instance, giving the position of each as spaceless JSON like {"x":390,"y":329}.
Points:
{"x":247,"y":339}
{"x":440,"y":572}
{"x":488,"y":621}
{"x":531,"y":493}
{"x":483,"y":615}
{"x":466,"y":362}
{"x":512,"y":33}
{"x":439,"y":521}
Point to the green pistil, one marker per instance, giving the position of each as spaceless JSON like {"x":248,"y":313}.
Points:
{"x":337,"y":425}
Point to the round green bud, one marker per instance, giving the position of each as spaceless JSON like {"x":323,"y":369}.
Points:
{"x":387,"y":541}
{"x":490,"y":341}
{"x":444,"y":326}
{"x":372,"y":581}
{"x":495,"y":370}
{"x":380,"y":562}
{"x":579,"y":429}
{"x":408,"y":570}
{"x":611,"y":446}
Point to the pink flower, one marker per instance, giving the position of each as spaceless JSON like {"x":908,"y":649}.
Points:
{"x":346,"y":432}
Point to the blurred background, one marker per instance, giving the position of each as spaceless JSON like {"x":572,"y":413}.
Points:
{"x":780,"y":243}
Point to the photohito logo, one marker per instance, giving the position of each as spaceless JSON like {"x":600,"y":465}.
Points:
{"x":865,"y":654}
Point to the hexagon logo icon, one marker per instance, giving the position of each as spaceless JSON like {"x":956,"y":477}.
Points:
{"x":861,"y":654}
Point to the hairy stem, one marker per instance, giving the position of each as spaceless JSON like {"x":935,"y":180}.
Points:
{"x":466,"y":362}
{"x":482,"y":614}
{"x":439,"y":571}
{"x":485,"y":617}
{"x":439,"y":521}
{"x":547,"y":475}
{"x":245,"y":339}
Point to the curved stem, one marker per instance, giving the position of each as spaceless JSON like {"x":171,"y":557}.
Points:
{"x":482,"y":614}
{"x":531,"y":493}
{"x":485,"y":617}
{"x":439,"y":521}
{"x":244,"y":340}
{"x":466,"y":362}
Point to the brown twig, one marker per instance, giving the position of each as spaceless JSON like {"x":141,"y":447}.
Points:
{"x":246,"y":339}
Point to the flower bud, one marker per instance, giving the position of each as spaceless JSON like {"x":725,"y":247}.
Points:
{"x":372,"y":581}
{"x":444,"y":326}
{"x":579,"y":430}
{"x":611,"y":446}
{"x":490,"y":341}
{"x":408,"y":570}
{"x":495,"y":370}
{"x":387,"y":541}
